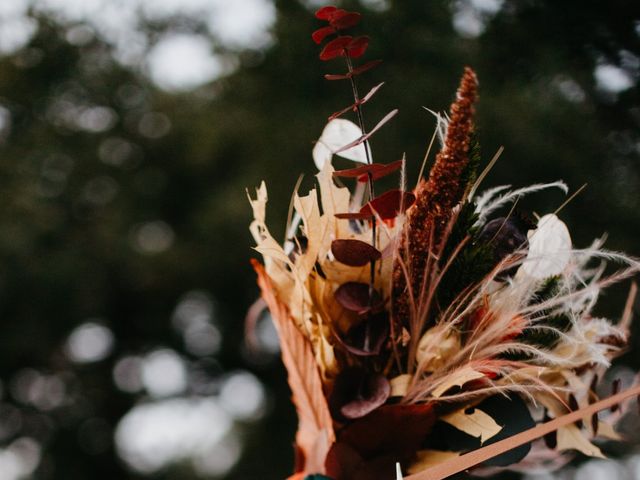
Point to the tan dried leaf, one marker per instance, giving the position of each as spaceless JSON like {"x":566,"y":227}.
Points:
{"x":606,"y":430}
{"x":476,"y":423}
{"x":436,"y":346}
{"x":571,"y":438}
{"x":400,"y":385}
{"x":457,"y":379}
{"x":429,"y":458}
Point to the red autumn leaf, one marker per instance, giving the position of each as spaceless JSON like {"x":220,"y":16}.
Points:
{"x":325,"y":13}
{"x":354,"y":296}
{"x":392,"y":429}
{"x":353,"y":216}
{"x":344,"y":463}
{"x":340,"y":20}
{"x":389,"y":204}
{"x":335,"y":48}
{"x":364,"y":138}
{"x":337,"y":14}
{"x":354,"y":253}
{"x":366,"y":66}
{"x":377,"y":171}
{"x":319,"y":35}
{"x":357,"y":47}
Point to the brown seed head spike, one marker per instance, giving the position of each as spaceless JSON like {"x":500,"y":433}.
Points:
{"x":428,"y":219}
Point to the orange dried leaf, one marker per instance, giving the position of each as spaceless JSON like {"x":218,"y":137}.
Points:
{"x":315,"y":433}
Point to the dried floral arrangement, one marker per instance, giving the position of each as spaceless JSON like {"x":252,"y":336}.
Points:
{"x":420,"y":329}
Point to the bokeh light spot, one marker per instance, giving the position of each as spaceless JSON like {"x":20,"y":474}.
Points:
{"x":154,"y":435}
{"x":243,"y":396}
{"x":164,"y":373}
{"x":89,"y":342}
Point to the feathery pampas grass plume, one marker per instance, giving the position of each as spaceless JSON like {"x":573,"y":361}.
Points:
{"x":417,"y":326}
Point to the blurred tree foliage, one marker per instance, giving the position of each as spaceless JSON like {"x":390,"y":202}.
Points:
{"x":95,"y":153}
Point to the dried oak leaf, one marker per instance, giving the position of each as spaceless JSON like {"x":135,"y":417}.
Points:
{"x":315,"y":433}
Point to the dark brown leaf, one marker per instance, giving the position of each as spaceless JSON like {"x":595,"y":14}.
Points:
{"x":354,"y":296}
{"x":354,"y":253}
{"x":353,"y":216}
{"x":357,"y":392}
{"x":368,"y":337}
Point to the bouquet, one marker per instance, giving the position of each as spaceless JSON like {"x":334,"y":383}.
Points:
{"x":435,"y":329}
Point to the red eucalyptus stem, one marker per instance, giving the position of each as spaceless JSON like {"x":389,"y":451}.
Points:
{"x":360,"y":116}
